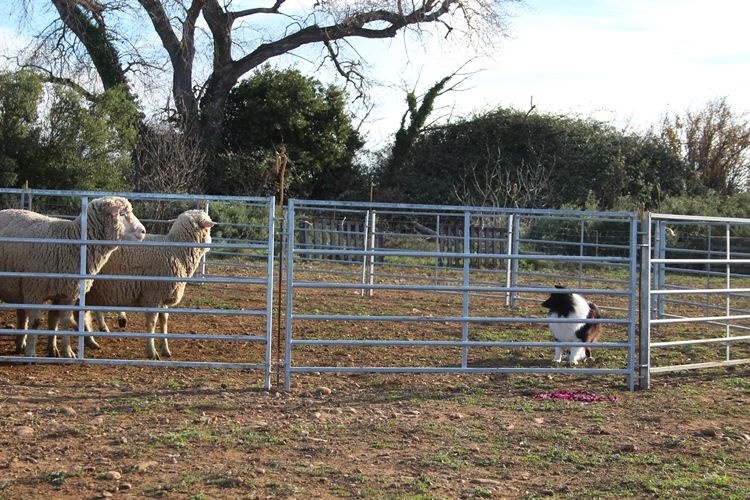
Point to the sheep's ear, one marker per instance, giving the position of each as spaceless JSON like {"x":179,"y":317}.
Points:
{"x":116,"y":208}
{"x":207,"y":224}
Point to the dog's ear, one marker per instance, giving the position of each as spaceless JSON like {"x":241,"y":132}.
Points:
{"x":559,"y":286}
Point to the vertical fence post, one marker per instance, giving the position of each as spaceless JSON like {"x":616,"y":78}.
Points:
{"x":82,"y":282}
{"x":728,"y":299}
{"x":645,"y":293}
{"x":203,"y":259}
{"x":660,"y":250}
{"x":633,"y":303}
{"x":515,"y":249}
{"x":709,"y":249}
{"x":466,"y":271}
{"x":371,"y":245}
{"x":365,"y":259}
{"x":269,"y":286}
{"x":508,"y":260}
{"x":438,"y":259}
{"x":581,"y":252}
{"x":290,"y":222}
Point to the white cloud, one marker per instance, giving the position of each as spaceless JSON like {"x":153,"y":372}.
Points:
{"x":626,"y":61}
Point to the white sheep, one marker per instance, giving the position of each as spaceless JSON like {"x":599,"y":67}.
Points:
{"x":108,"y":218}
{"x":192,"y":226}
{"x":122,"y":318}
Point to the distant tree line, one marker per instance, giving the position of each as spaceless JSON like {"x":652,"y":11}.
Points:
{"x":55,"y":137}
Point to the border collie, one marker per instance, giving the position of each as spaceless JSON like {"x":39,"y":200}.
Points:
{"x":572,"y":305}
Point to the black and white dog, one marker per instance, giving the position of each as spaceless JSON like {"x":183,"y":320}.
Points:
{"x":571,"y":305}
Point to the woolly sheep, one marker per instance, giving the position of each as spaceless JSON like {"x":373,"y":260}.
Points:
{"x":108,"y":218}
{"x":122,"y":318}
{"x":192,"y":226}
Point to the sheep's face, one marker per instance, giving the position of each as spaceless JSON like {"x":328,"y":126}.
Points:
{"x":197,"y":223}
{"x":120,"y":210}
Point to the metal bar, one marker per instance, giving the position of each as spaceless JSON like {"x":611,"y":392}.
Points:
{"x":645,"y":303}
{"x":291,"y":225}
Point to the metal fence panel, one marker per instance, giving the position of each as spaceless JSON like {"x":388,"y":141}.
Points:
{"x":436,"y":289}
{"x":695,"y":285}
{"x":234,"y":282}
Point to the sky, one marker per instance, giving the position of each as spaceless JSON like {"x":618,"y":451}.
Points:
{"x":626,"y":62}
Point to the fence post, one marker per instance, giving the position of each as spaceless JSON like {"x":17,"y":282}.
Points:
{"x":465,"y":306}
{"x":728,"y":297}
{"x":82,"y":282}
{"x":365,"y":259}
{"x":660,"y":244}
{"x":581,"y":240}
{"x":645,"y":311}
{"x":515,"y":249}
{"x":633,"y":303}
{"x":508,"y":260}
{"x":371,"y":244}
{"x":289,"y":293}
{"x":203,"y":259}
{"x":269,"y":285}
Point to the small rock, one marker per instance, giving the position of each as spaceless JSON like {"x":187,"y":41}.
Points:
{"x":105,"y":494}
{"x":485,"y":482}
{"x":316,"y":415}
{"x":98,"y":420}
{"x":67,"y":410}
{"x":628,"y":448}
{"x":708,"y":432}
{"x":538,"y":420}
{"x":124,"y":486}
{"x":24,"y":431}
{"x":144,"y":466}
{"x":323,"y":391}
{"x":113,"y":475}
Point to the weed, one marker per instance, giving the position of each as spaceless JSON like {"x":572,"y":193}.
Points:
{"x":57,"y":478}
{"x":180,"y":439}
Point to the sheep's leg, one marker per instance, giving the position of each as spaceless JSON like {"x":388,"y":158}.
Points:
{"x":150,"y":327}
{"x":35,"y":319}
{"x":163,"y":342}
{"x":22,"y":323}
{"x":89,"y":341}
{"x":67,"y":320}
{"x":122,"y":320}
{"x":52,"y":322}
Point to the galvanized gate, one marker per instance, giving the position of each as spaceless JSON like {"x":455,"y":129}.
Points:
{"x":410,"y":295}
{"x":695,"y":293}
{"x":234,"y":282}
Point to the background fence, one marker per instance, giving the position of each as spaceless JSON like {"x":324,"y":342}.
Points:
{"x":395,"y":288}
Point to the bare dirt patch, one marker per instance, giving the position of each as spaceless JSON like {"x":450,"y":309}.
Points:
{"x":70,"y":431}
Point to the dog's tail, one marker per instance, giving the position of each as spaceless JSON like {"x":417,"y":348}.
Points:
{"x":593,"y":333}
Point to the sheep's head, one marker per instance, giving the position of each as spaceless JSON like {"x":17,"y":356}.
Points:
{"x":116,"y":213}
{"x":195,"y":223}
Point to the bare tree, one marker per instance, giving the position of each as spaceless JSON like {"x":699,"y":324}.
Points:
{"x":110,"y":35}
{"x":715,"y":143}
{"x":499,"y":185}
{"x":168,"y":162}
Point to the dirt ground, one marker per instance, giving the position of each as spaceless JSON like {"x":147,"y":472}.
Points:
{"x":130,"y":432}
{"x":85,"y":431}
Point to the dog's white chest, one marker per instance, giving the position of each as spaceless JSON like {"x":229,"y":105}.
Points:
{"x":564,"y":332}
